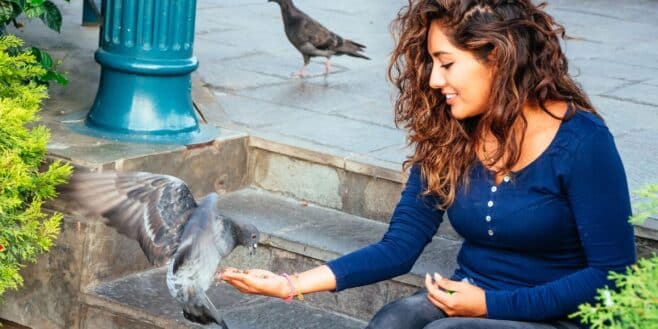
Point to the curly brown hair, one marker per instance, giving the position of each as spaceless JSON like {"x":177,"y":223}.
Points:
{"x":519,"y":40}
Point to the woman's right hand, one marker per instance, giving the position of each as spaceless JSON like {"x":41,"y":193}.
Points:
{"x":256,"y":282}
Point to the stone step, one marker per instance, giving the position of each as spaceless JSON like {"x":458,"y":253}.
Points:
{"x":142,"y":301}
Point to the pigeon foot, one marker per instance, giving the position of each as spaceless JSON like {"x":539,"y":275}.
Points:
{"x":327,"y":68}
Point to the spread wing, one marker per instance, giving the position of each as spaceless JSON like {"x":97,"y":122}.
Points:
{"x":149,"y":208}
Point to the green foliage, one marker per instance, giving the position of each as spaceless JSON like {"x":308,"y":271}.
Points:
{"x":26,"y":181}
{"x":634,"y":304}
{"x":47,"y":11}
{"x":647,"y":204}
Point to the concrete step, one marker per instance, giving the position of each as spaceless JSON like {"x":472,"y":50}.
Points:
{"x":142,"y":301}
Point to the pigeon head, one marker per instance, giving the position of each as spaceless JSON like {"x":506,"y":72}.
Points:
{"x":248,"y":236}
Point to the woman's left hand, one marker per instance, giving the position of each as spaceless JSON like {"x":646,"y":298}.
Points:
{"x":456,"y":298}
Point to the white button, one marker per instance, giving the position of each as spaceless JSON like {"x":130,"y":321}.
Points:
{"x":490,"y":204}
{"x":488,"y":218}
{"x":506,"y":178}
{"x":490,"y":232}
{"x":494,"y":189}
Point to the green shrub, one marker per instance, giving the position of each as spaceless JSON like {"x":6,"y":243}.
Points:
{"x":26,"y":181}
{"x":634,"y":305}
{"x":47,"y":11}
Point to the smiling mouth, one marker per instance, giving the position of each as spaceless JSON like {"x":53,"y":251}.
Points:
{"x":450,"y":98}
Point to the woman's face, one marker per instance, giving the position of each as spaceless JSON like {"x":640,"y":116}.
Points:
{"x":464,"y":81}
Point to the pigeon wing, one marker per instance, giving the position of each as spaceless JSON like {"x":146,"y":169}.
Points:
{"x":149,"y":208}
{"x":317,"y":35}
{"x":312,"y":38}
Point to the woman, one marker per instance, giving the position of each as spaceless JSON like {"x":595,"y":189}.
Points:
{"x":511,"y":147}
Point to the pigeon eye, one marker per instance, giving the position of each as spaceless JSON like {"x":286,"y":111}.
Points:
{"x":253,"y":236}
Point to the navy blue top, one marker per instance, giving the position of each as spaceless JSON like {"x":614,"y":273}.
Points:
{"x":539,"y":243}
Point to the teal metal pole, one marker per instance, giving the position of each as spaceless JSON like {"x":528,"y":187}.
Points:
{"x":146,"y":58}
{"x":91,"y":13}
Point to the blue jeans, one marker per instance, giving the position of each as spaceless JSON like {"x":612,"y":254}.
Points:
{"x":417,"y":312}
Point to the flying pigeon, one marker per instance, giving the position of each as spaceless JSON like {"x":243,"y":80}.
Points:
{"x":160,"y":212}
{"x":312,"y":39}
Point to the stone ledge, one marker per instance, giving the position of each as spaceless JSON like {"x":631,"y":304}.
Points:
{"x":383,"y":169}
{"x":648,"y":230}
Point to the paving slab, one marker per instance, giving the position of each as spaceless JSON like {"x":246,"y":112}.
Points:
{"x":340,"y":132}
{"x":640,"y":93}
{"x":310,"y":96}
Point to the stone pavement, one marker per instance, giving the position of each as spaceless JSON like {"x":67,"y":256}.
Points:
{"x":246,"y":61}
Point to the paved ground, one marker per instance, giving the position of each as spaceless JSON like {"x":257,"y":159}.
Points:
{"x":246,"y":61}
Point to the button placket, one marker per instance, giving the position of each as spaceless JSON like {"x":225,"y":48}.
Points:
{"x":490,"y":204}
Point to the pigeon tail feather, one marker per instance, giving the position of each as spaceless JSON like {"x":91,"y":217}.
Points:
{"x":201,"y":310}
{"x":360,"y":45}
{"x":352,"y":48}
{"x":355,"y":54}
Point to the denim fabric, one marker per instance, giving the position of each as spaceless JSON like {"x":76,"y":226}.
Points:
{"x":417,"y":312}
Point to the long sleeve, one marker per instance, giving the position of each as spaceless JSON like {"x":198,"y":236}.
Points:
{"x":597,"y":193}
{"x":413,"y":223}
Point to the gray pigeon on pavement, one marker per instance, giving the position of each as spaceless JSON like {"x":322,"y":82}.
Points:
{"x":312,"y":39}
{"x":160,"y":212}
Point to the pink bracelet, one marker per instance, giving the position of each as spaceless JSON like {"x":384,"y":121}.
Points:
{"x":292,"y":288}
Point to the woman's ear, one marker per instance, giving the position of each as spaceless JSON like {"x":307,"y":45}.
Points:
{"x":493,"y":54}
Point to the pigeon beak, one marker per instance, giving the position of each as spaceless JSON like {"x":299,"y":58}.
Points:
{"x":252,"y":249}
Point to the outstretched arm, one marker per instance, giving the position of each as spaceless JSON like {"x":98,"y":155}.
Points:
{"x":413,"y":224}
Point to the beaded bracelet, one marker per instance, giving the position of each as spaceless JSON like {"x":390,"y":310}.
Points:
{"x":291,"y":286}
{"x":300,"y":296}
